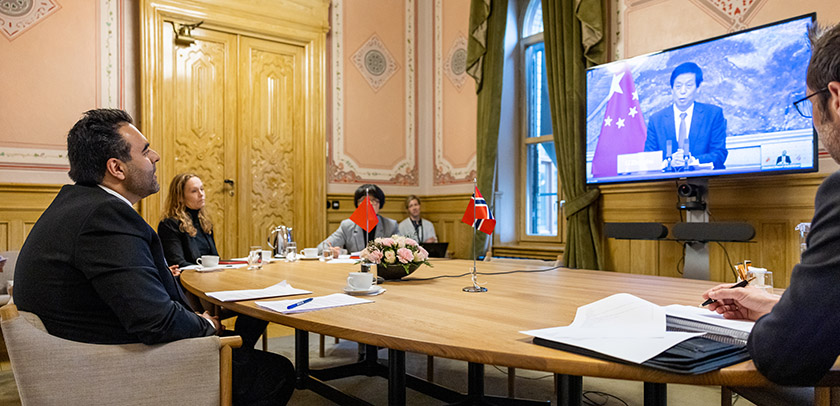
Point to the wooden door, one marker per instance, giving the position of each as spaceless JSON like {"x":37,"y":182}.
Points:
{"x":200,"y":106}
{"x":271,"y":121}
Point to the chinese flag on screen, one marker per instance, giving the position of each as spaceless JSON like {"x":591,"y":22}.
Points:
{"x":478,"y":214}
{"x":364,"y":216}
{"x":623,"y":130}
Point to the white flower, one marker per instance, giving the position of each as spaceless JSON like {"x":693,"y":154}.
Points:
{"x":390,"y":257}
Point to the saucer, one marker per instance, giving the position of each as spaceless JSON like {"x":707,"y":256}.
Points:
{"x":303,"y":257}
{"x":374,"y":290}
{"x":209,"y":268}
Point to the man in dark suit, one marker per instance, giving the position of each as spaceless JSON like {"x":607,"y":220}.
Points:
{"x":794,"y":340}
{"x":94,"y":271}
{"x":693,"y":130}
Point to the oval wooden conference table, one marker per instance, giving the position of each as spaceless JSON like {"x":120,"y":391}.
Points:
{"x":437,"y":318}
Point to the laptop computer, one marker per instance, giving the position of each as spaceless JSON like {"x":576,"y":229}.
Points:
{"x":435,"y":249}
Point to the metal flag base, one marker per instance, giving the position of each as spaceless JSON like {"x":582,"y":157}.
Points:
{"x":474,"y":288}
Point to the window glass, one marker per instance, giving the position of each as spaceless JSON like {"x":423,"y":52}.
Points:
{"x":536,"y":83}
{"x":542,"y":189}
{"x":533,"y":19}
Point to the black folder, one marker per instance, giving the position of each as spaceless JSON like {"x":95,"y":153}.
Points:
{"x":718,"y":348}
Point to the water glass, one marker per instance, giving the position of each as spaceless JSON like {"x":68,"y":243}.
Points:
{"x":327,"y":254}
{"x":255,"y":257}
{"x":291,"y":252}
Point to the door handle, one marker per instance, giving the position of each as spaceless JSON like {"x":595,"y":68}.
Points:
{"x":232,"y":184}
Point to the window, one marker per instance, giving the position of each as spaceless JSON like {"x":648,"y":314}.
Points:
{"x":539,"y":163}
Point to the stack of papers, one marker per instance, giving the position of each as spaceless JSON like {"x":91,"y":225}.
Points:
{"x":220,"y":267}
{"x":626,"y":327}
{"x":281,"y":289}
{"x":321,"y":302}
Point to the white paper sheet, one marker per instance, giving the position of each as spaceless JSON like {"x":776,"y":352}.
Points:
{"x":621,"y":326}
{"x":222,"y":267}
{"x":321,"y":302}
{"x":281,"y":289}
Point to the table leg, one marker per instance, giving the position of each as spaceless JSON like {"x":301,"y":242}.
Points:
{"x":301,"y":358}
{"x":656,"y":394}
{"x":396,"y":377}
{"x":569,"y":390}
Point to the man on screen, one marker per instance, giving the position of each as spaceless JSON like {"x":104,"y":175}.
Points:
{"x":688,"y":132}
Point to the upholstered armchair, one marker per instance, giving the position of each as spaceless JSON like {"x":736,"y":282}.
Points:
{"x":53,"y":371}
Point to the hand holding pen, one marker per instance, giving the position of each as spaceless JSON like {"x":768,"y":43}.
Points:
{"x":744,"y":303}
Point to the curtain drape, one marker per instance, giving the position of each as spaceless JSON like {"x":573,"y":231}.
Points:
{"x":485,"y":63}
{"x":573,"y":33}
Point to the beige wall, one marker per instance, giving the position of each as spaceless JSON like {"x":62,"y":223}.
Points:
{"x":69,"y":59}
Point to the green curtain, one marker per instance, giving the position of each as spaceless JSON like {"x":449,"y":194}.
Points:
{"x":574,"y":39}
{"x":485,"y":63}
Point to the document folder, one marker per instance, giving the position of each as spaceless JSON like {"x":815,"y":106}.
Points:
{"x":718,"y":348}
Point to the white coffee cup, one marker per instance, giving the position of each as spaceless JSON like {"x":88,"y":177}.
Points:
{"x":309,"y":252}
{"x":208,"y":261}
{"x":266,"y":256}
{"x":360,"y":280}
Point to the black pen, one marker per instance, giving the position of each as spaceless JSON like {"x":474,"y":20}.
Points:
{"x":737,"y":285}
{"x":302,"y":302}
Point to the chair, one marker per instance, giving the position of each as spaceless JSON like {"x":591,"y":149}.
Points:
{"x":7,"y":273}
{"x":53,"y":371}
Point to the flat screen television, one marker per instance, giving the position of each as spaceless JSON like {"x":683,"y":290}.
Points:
{"x":722,"y":106}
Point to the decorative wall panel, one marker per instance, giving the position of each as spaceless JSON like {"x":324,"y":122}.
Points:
{"x":454,"y":96}
{"x":374,"y":82}
{"x":17,"y":16}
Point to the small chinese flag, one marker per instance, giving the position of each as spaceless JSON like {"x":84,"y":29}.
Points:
{"x":364,"y":216}
{"x":478,"y":214}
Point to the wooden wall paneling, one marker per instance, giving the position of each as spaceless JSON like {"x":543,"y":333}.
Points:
{"x":772,"y":204}
{"x":20,"y":207}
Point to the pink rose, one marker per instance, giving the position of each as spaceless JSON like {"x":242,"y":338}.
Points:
{"x":422,"y":254}
{"x":405,"y":255}
{"x":365,"y":254}
{"x":388,"y":242}
{"x":375,"y":256}
{"x":409,"y":241}
{"x":390,"y":257}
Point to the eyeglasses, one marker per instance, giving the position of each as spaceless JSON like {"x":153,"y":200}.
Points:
{"x":804,"y":106}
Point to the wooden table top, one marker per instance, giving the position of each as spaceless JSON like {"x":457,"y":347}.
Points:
{"x":435,"y":317}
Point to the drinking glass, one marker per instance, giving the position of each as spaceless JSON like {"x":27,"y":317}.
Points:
{"x":763,"y":279}
{"x":255,"y":257}
{"x":291,"y":252}
{"x":327,"y":254}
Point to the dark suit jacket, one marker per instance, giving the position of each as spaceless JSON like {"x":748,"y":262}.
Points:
{"x":178,"y":247}
{"x":797,"y":342}
{"x":706,"y":137}
{"x":93,"y":270}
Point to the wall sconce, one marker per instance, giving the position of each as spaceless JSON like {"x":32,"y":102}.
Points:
{"x":183,"y":34}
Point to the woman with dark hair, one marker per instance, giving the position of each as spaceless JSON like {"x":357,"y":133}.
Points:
{"x":353,"y":238}
{"x":186,"y":234}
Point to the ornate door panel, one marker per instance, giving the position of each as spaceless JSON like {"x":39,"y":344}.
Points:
{"x":271,"y":131}
{"x":201,"y":128}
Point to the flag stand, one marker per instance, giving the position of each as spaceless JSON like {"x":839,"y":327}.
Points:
{"x":474,"y":288}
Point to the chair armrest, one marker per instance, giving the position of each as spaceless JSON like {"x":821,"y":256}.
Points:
{"x":226,"y":368}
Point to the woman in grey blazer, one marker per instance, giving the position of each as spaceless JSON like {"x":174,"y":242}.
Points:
{"x":353,"y":238}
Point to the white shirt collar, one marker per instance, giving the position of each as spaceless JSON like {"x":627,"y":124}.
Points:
{"x":114,"y":192}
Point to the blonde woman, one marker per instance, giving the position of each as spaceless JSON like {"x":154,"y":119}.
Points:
{"x":186,"y":231}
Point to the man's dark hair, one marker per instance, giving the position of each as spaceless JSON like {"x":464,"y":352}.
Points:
{"x":373,"y":191}
{"x":94,"y":140}
{"x":824,"y":66}
{"x":688,"y":67}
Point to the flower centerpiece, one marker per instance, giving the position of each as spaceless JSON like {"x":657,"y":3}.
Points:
{"x":395,"y":252}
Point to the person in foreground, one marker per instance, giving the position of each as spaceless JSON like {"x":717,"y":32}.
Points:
{"x":94,"y":271}
{"x":413,"y":226}
{"x":693,"y":129}
{"x":353,"y":238}
{"x":795,"y":337}
{"x":186,"y":233}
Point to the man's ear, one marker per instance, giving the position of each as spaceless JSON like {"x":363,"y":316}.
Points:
{"x":834,"y":100}
{"x":115,"y":168}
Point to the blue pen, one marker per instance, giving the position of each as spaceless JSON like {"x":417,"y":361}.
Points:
{"x":302,"y":302}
